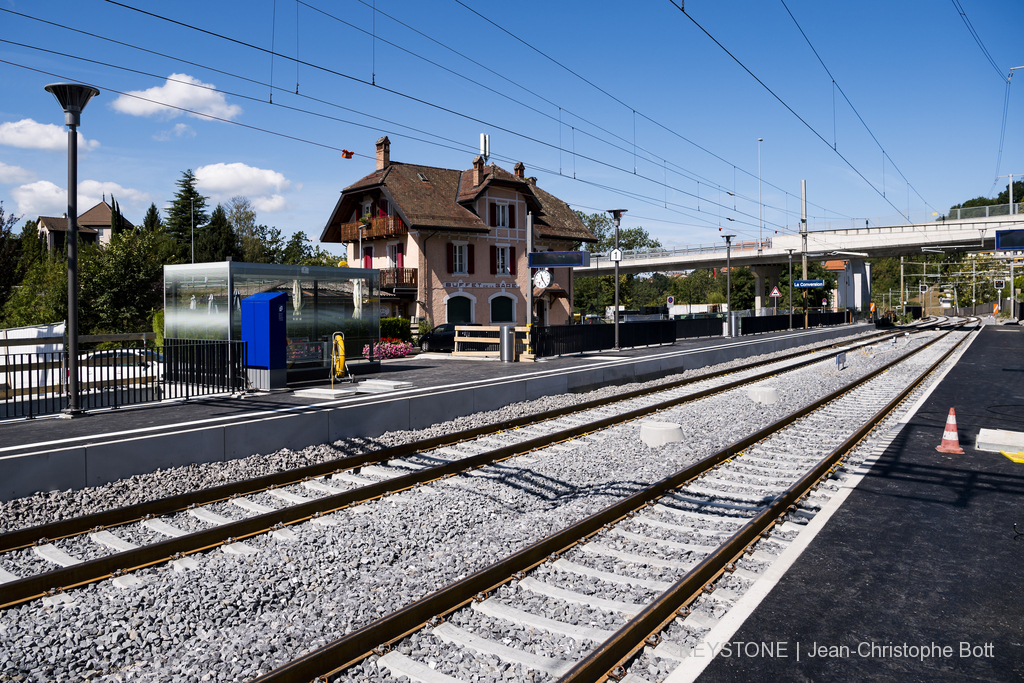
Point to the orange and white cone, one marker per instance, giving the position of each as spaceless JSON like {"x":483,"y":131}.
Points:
{"x":950,"y":441}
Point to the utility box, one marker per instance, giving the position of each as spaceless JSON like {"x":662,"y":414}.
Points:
{"x":263,"y":330}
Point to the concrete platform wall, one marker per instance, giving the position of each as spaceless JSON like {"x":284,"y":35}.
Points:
{"x":101,"y":463}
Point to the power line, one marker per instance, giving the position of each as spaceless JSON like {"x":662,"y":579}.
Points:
{"x":630,"y":108}
{"x":789,"y":108}
{"x":305,"y":140}
{"x":977,"y":38}
{"x":838,"y":87}
{"x":399,"y":94}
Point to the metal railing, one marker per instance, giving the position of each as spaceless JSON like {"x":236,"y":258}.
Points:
{"x":398,"y":277}
{"x":382,"y":226}
{"x":36,"y":383}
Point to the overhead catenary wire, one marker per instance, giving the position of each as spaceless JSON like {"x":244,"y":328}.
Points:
{"x":399,"y":94}
{"x":299,"y":61}
{"x":607,"y":188}
{"x":836,"y":86}
{"x":786,"y":105}
{"x":633,"y":109}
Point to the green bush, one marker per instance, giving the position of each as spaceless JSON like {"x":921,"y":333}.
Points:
{"x":395,"y":328}
{"x":425,"y":326}
{"x":158,"y":326}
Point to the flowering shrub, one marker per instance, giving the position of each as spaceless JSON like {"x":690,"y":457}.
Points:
{"x":389,"y":348}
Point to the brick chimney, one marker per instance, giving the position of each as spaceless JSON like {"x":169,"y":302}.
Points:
{"x":478,"y":171}
{"x":383,"y":153}
{"x":519,"y":169}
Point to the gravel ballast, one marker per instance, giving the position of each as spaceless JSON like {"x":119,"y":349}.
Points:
{"x":235,"y":617}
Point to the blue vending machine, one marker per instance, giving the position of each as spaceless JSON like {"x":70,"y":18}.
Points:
{"x":263,"y":330}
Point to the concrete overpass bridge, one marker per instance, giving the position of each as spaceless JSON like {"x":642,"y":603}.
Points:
{"x":769,"y":257}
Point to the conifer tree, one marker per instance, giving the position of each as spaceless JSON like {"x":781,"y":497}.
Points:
{"x":187,"y":214}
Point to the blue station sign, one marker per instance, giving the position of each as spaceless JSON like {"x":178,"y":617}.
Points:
{"x":808,"y":284}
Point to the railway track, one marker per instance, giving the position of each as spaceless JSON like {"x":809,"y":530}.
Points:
{"x":577,"y":605}
{"x":49,"y":559}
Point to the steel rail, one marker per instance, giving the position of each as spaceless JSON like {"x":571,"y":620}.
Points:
{"x":76,"y":526}
{"x":115,"y":564}
{"x":610,"y":655}
{"x":343,"y":652}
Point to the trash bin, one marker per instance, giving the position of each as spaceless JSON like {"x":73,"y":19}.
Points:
{"x":507,"y":343}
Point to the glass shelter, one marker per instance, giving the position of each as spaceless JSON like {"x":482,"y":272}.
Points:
{"x":203,"y":301}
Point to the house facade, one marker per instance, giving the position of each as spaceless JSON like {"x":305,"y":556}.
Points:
{"x":93,"y":227}
{"x":451,"y":245}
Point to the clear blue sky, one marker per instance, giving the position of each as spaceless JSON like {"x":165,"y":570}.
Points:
{"x":912,"y":70}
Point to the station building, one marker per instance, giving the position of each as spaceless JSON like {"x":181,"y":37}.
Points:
{"x":450,"y":245}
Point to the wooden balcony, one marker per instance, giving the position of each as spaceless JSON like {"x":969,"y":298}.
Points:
{"x":404,"y":278}
{"x":385,"y":226}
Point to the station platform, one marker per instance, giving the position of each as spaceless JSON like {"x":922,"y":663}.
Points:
{"x":50,"y":453}
{"x":922,"y":554}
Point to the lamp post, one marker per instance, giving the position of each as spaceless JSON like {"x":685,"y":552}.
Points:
{"x":616,"y":216}
{"x":72,"y":98}
{"x":760,"y":220}
{"x":728,"y":280}
{"x":790,"y":288}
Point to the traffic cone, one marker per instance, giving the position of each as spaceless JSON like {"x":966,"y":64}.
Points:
{"x":950,"y":441}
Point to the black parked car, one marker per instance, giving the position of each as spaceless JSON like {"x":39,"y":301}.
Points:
{"x":441,"y":338}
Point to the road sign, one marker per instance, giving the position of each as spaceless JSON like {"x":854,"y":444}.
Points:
{"x":1000,"y":284}
{"x":615,"y":255}
{"x":824,"y":302}
{"x":775,"y":292}
{"x":808,"y":284}
{"x":671,"y":301}
{"x":872,"y":306}
{"x":923,"y":289}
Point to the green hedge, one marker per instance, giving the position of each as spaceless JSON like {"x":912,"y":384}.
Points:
{"x":395,"y":328}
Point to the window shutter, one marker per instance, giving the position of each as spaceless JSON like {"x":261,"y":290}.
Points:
{"x":494,"y":260}
{"x":494,"y":215}
{"x":400,"y":256}
{"x":367,"y":257}
{"x":512,"y":260}
{"x":470,"y":259}
{"x":382,"y":207}
{"x":451,"y":257}
{"x":512,"y":216}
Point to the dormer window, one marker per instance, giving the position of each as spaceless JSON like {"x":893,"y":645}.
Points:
{"x":502,"y":215}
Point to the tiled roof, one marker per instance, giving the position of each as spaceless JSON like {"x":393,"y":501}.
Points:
{"x":96,"y":217}
{"x":428,"y":197}
{"x":60,"y":224}
{"x":99,"y":216}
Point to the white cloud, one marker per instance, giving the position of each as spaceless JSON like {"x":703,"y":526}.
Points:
{"x":29,"y":134}
{"x":263,"y":187}
{"x":91,"y":192}
{"x":12,"y":175}
{"x":41,"y":198}
{"x":270,"y":204}
{"x":180,"y":90}
{"x":180,"y":130}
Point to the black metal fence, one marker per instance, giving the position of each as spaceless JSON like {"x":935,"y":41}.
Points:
{"x":690,"y":328}
{"x":34,"y":384}
{"x":562,"y":340}
{"x":767,"y":323}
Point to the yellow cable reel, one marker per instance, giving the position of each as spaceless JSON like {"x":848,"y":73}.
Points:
{"x":338,"y":369}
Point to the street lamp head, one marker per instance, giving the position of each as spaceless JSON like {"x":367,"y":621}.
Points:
{"x":617,"y":214}
{"x":72,"y":98}
{"x":760,"y":139}
{"x":728,"y":238}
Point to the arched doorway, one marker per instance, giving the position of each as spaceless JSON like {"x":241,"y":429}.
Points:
{"x":460,"y":310}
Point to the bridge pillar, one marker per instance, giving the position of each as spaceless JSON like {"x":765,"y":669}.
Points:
{"x":855,"y":286}
{"x":765,"y":277}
